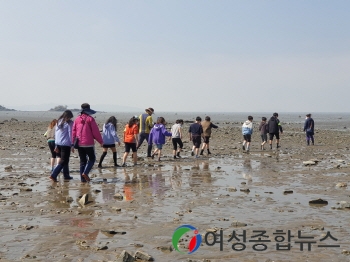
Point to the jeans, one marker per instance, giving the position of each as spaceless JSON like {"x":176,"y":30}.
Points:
{"x":64,"y":162}
{"x":87,"y":160}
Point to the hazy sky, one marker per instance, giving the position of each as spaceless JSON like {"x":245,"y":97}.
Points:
{"x":177,"y":55}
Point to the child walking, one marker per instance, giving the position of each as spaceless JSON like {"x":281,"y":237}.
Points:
{"x":263,"y":128}
{"x":109,"y":137}
{"x":207,"y":126}
{"x":176,"y":131}
{"x":131,"y":132}
{"x":50,"y":135}
{"x":157,"y":136}
{"x":247,"y":131}
{"x":196,"y":134}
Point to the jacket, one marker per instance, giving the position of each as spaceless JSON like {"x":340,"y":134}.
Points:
{"x":274,"y":125}
{"x":247,"y":128}
{"x":263,"y":128}
{"x":109,"y":135}
{"x":158,"y":134}
{"x":63,"y":134}
{"x":146,"y":123}
{"x":86,"y":129}
{"x":309,"y":124}
{"x":50,"y":134}
{"x":207,"y":126}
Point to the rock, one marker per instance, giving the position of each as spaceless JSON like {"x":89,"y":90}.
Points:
{"x":26,"y":227}
{"x":342,"y":184}
{"x":82,"y":244}
{"x":69,"y":199}
{"x":165,"y":249}
{"x":118,"y":209}
{"x":247,"y":190}
{"x":238,"y":224}
{"x":143,"y":255}
{"x":309,"y":163}
{"x":341,"y":161}
{"x":315,"y":160}
{"x":101,"y":247}
{"x":211,"y":230}
{"x":346,"y":252}
{"x":343,"y":205}
{"x":318,"y":202}
{"x":112,"y":232}
{"x":118,"y":196}
{"x":232,"y":189}
{"x":8,"y":168}
{"x":125,"y":256}
{"x":97,"y":191}
{"x":84,"y":199}
{"x":288,"y":192}
{"x":25,"y":189}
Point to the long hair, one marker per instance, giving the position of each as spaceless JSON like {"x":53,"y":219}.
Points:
{"x":65,"y":117}
{"x":113,"y":121}
{"x":52,"y":123}
{"x":133,"y":121}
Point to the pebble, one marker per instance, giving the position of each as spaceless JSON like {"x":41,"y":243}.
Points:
{"x":84,"y":199}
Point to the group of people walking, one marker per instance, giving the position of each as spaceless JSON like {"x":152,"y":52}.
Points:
{"x":65,"y":135}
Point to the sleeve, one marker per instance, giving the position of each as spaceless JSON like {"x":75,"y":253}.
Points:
{"x":150,"y":137}
{"x":165,"y":132}
{"x":200,"y":129}
{"x":213,"y":126}
{"x":74,"y":132}
{"x":70,"y":128}
{"x":280,"y":126}
{"x":95,"y":131}
{"x":305,"y":125}
{"x":114,"y":134}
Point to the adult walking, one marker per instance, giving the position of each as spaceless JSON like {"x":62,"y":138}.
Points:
{"x":207,"y":126}
{"x":63,"y":141}
{"x":86,"y":131}
{"x":275,"y":129}
{"x":309,"y":126}
{"x":196,"y":133}
{"x":145,"y":125}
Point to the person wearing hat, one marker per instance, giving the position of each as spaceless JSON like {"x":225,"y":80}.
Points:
{"x":85,"y":130}
{"x":309,"y":126}
{"x":146,"y":123}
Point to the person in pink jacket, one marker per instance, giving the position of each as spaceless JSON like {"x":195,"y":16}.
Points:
{"x":86,"y":131}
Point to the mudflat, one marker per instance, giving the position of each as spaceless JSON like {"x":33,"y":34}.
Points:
{"x":286,"y":204}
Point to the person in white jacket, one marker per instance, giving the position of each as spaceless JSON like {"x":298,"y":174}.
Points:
{"x":247,"y":131}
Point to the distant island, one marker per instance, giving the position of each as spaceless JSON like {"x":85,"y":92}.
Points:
{"x":2,"y":108}
{"x":61,"y":108}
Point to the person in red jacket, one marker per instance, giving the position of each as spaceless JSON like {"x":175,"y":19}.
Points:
{"x":87,"y":131}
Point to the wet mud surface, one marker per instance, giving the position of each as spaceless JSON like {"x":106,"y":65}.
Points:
{"x":229,"y":190}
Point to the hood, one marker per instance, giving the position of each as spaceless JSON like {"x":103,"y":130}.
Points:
{"x":247,"y":123}
{"x":157,"y":127}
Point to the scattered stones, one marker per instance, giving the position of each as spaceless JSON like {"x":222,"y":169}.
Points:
{"x":232,"y":189}
{"x":26,"y":227}
{"x":342,"y":184}
{"x":125,"y":256}
{"x":118,"y":196}
{"x":318,"y":202}
{"x":8,"y":168}
{"x":143,"y":255}
{"x":238,"y":224}
{"x":84,"y":199}
{"x":69,"y":199}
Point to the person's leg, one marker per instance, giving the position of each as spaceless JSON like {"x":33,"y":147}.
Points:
{"x":180,"y":147}
{"x":134,"y":153}
{"x":114,"y":151}
{"x":244,"y":142}
{"x":159,"y":154}
{"x":307,"y":139}
{"x":90,"y":152}
{"x":270,"y":141}
{"x":66,"y":150}
{"x":277,"y":140}
{"x":52,"y":145}
{"x":312,"y":139}
{"x":104,"y":153}
{"x":174,"y":146}
{"x":83,"y":162}
{"x":63,"y":161}
{"x":141,"y":139}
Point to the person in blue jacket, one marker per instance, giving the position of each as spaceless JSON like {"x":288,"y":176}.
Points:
{"x":157,"y":136}
{"x":247,"y":131}
{"x":109,"y":136}
{"x":309,"y":126}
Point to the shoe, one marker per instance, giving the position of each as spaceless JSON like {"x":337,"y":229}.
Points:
{"x":149,"y":155}
{"x":116,"y":165}
{"x":152,"y":156}
{"x":54,"y":180}
{"x":123,"y":165}
{"x":192,"y":153}
{"x":278,"y":146}
{"x":178,"y":154}
{"x":68,"y":178}
{"x":99,"y":166}
{"x":201,"y":153}
{"x":243,"y":147}
{"x":247,"y":151}
{"x":197,"y":156}
{"x":209,"y":153}
{"x":174,"y":157}
{"x":86,"y":177}
{"x":159,"y":160}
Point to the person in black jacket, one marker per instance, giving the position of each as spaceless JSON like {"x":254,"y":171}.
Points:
{"x":309,"y":129}
{"x":275,"y":129}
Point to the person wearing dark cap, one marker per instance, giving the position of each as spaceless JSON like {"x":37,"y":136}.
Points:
{"x":86,"y":131}
{"x":309,"y":126}
{"x":275,"y":129}
{"x":146,"y":123}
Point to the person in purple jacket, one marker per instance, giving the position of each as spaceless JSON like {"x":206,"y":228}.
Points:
{"x":157,"y":136}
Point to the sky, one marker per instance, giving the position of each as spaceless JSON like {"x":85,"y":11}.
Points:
{"x":177,"y":56}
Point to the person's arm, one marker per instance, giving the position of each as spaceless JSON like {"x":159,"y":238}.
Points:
{"x":280,"y":126}
{"x":180,"y":131}
{"x":213,"y":126}
{"x":74,"y":132}
{"x":96,"y":131}
{"x":114,"y":134}
{"x":136,"y":134}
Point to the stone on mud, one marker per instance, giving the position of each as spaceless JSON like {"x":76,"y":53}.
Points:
{"x":84,"y":199}
{"x":143,"y":255}
{"x":125,"y":256}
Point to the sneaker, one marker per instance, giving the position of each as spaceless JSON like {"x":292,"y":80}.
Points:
{"x":243,"y":147}
{"x":86,"y":177}
{"x":149,"y":155}
{"x":123,"y":165}
{"x":174,"y":157}
{"x":54,"y":180}
{"x":116,"y":165}
{"x":152,"y":156}
{"x":99,"y":166}
{"x":68,"y":178}
{"x":197,"y":156}
{"x":192,"y":153}
{"x":278,"y":146}
{"x":201,"y":153}
{"x":209,"y":153}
